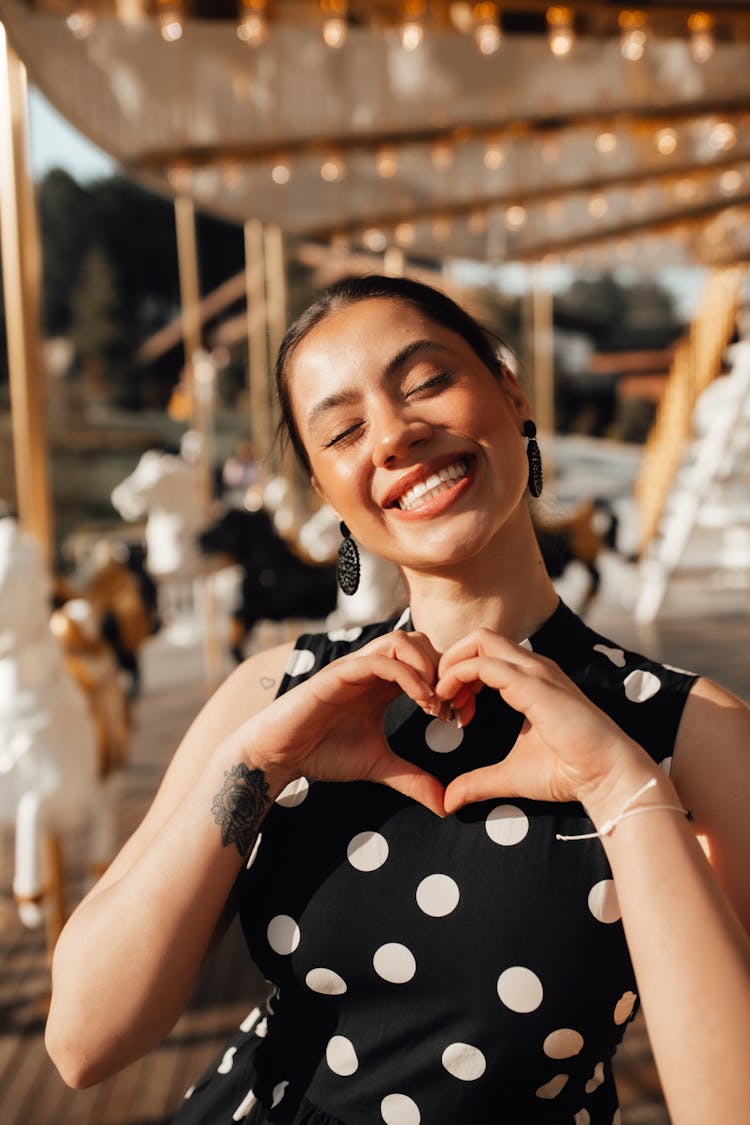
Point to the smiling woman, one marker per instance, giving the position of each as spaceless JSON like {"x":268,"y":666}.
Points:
{"x":449,"y":834}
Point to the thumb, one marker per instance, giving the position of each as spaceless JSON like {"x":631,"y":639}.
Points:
{"x":500,"y":780}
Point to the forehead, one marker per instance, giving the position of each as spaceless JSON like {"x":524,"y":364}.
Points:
{"x":355,"y":343}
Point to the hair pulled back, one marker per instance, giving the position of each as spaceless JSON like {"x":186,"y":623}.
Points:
{"x":433,"y":304}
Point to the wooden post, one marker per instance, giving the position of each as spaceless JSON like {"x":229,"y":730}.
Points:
{"x":200,"y":387}
{"x":276,"y":314}
{"x":257,"y":341}
{"x":21,"y":264}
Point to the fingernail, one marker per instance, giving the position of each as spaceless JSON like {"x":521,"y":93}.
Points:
{"x":459,"y":724}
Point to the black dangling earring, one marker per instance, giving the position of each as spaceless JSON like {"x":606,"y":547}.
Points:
{"x":536,"y":477}
{"x":347,"y":566}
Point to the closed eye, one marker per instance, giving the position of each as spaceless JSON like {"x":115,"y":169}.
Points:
{"x":439,"y":380}
{"x":343,"y":435}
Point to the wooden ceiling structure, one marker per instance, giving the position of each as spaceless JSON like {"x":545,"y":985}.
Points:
{"x":517,"y":130}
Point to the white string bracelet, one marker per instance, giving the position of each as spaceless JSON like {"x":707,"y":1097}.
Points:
{"x":627,"y":811}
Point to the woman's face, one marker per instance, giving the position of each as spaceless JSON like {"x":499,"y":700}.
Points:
{"x":411,"y":439}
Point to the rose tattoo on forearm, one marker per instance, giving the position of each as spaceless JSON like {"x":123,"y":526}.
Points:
{"x":239,"y":806}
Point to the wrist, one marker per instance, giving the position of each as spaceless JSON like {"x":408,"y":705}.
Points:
{"x":275,"y":777}
{"x":605,"y":800}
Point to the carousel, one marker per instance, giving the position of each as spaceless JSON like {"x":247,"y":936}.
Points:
{"x":398,"y":137}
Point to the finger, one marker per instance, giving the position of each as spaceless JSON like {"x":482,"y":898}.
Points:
{"x":387,"y":669}
{"x":413,"y":649}
{"x":483,"y":642}
{"x":411,"y":781}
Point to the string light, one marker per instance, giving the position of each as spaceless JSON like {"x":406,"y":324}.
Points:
{"x":702,"y":43}
{"x":633,"y":34}
{"x":598,"y":206}
{"x":170,"y":20}
{"x":487,"y":33}
{"x":560,"y":30}
{"x":723,"y":136}
{"x":81,"y":23}
{"x":605,"y":142}
{"x":730,"y":181}
{"x":252,"y":25}
{"x":374,"y":240}
{"x":335,"y":27}
{"x":515,"y":217}
{"x":386,"y":162}
{"x":494,"y":155}
{"x":281,"y":172}
{"x":332,"y":169}
{"x":666,"y":141}
{"x":405,"y":234}
{"x":412,"y":24}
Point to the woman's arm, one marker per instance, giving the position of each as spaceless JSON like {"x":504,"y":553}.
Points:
{"x":690,"y":952}
{"x":127,"y":960}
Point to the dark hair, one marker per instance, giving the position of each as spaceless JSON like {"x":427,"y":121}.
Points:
{"x":430,"y":302}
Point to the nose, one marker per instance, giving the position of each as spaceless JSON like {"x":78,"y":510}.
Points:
{"x":395,"y":434}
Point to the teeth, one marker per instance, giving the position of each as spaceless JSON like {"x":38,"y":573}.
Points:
{"x":433,"y":486}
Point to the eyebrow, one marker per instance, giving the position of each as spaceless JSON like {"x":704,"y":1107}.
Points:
{"x":403,"y":356}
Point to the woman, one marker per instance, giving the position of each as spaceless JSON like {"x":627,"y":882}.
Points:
{"x":447,"y":942}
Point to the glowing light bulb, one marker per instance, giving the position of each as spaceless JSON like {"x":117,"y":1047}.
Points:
{"x":666,"y":141}
{"x":386,"y":162}
{"x":633,"y":34}
{"x":335,"y":27}
{"x":702,"y":43}
{"x":81,"y":23}
{"x":332,"y":169}
{"x":405,"y":234}
{"x":412,"y":24}
{"x":494,"y":155}
{"x":730,"y":181}
{"x":723,"y":136}
{"x":281,"y":173}
{"x":598,"y":206}
{"x":606,"y":143}
{"x":374,"y":240}
{"x":252,"y":25}
{"x":560,"y":34}
{"x":487,"y":33}
{"x":515,"y":217}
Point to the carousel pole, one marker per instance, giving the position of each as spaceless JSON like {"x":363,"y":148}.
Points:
{"x":544,"y":363}
{"x":199,"y":374}
{"x":257,"y":342}
{"x":21,"y":265}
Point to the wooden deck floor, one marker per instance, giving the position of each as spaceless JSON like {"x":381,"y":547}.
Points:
{"x":31,"y":1093}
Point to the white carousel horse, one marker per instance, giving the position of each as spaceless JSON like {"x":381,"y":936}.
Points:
{"x":164,"y":488}
{"x":49,"y":768}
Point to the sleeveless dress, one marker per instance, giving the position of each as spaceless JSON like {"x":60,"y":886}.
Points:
{"x":472,"y":969}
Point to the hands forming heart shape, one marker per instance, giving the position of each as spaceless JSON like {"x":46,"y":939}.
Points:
{"x":330,"y":727}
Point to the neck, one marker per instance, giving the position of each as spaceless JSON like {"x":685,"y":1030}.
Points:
{"x":505,"y":588}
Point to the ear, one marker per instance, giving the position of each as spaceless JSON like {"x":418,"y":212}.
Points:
{"x":516,"y":396}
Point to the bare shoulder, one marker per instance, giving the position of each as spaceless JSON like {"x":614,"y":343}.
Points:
{"x":711,"y":773}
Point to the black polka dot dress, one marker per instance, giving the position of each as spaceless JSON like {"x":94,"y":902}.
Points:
{"x":428,"y":971}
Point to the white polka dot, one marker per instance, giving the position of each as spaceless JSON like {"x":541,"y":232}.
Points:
{"x":254,"y":853}
{"x":617,"y":1119}
{"x":227,"y":1061}
{"x":278,"y":1093}
{"x":326,"y":982}
{"x":603,"y":902}
{"x":616,"y":655}
{"x":464,"y":1061}
{"x":520,"y":989}
{"x":250,"y":1019}
{"x":294,"y":793}
{"x":398,"y":1109}
{"x":526,"y":644}
{"x":624,"y":1006}
{"x":341,"y":1056}
{"x":394,"y":963}
{"x":666,"y":765}
{"x":404,"y":619}
{"x":506,"y":825}
{"x":189,"y":1092}
{"x":443,"y":737}
{"x":345,"y":634}
{"x":301,"y":660}
{"x":563,"y":1043}
{"x":438,"y":895}
{"x":582,"y":1117}
{"x":640,"y":685}
{"x":261,"y":1029}
{"x":596,"y":1078}
{"x":552,"y":1088}
{"x":283,"y":934}
{"x":682,"y":671}
{"x":367,"y":851}
{"x":245,"y":1106}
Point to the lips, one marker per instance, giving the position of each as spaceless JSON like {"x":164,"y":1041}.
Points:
{"x":428,"y":480}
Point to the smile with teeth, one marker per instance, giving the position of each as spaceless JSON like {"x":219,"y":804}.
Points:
{"x":426,"y":490}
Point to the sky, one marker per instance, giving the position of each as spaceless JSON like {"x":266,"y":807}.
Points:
{"x":54,"y":143}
